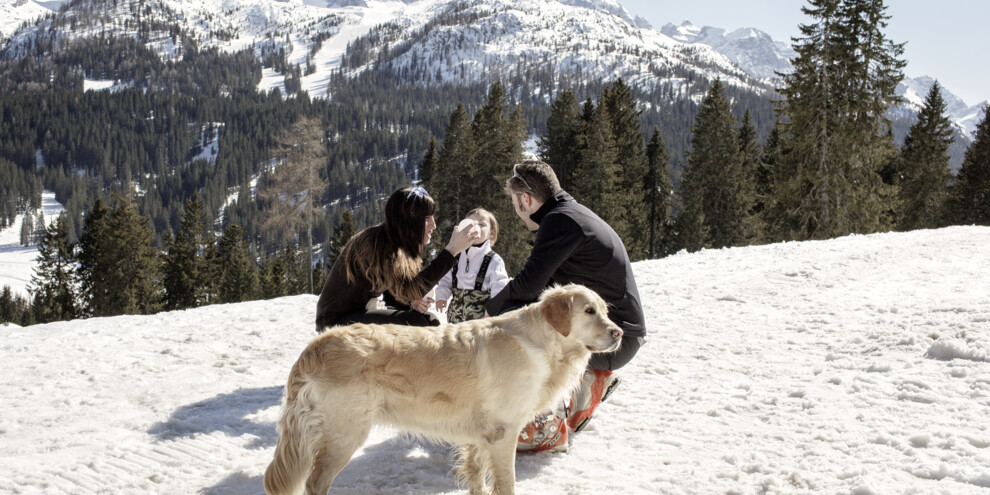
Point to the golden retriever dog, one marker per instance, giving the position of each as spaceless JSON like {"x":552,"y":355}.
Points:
{"x":474,"y":384}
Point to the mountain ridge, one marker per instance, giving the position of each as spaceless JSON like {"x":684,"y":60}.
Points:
{"x":595,"y":38}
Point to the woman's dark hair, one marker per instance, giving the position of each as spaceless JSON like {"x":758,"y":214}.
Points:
{"x":388,"y":255}
{"x":405,"y":218}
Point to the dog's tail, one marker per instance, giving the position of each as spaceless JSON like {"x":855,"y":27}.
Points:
{"x":294,"y":453}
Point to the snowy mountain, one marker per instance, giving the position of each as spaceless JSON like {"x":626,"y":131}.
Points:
{"x":966,"y":117}
{"x":434,"y":41}
{"x":751,"y":49}
{"x":16,"y":13}
{"x":858,"y":365}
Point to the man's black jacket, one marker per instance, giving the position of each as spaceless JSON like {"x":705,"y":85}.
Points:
{"x":574,"y":245}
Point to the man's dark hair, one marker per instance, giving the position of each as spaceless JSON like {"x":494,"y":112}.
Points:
{"x":533,"y":177}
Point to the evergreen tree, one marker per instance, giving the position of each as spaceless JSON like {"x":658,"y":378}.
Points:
{"x":53,"y":286}
{"x":27,"y":229}
{"x":714,"y":175}
{"x":15,"y":308}
{"x":273,"y":278}
{"x":498,"y":136}
{"x":429,"y":165}
{"x":659,"y":197}
{"x":773,"y":218}
{"x":237,"y":275}
{"x":40,"y":228}
{"x":118,"y":267}
{"x":971,"y":192}
{"x":837,"y":133}
{"x":450,"y":181}
{"x":342,"y":233}
{"x":594,"y":172}
{"x":924,"y":167}
{"x":186,"y":277}
{"x":690,"y":232}
{"x":630,"y":166}
{"x":558,"y":146}
{"x":6,"y":305}
{"x":752,"y":168}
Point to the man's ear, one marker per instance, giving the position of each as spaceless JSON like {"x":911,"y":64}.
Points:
{"x":556,"y":309}
{"x":526,"y":201}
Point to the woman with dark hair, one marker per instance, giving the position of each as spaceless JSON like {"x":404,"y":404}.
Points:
{"x":386,"y":258}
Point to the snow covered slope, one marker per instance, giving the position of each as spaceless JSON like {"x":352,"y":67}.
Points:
{"x":15,"y":13}
{"x":857,"y":365}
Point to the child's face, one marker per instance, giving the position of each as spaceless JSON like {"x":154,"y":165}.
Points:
{"x":486,"y":228}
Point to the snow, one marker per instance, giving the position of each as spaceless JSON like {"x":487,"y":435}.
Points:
{"x":106,"y":85}
{"x":859,"y":365}
{"x":14,"y":13}
{"x":17,"y":262}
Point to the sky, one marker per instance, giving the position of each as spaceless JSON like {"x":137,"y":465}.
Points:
{"x":852,"y":366}
{"x":946,"y":40}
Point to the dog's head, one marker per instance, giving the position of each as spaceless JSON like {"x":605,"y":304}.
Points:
{"x":580,"y":314}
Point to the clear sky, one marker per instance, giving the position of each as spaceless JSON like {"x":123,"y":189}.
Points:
{"x":946,"y":39}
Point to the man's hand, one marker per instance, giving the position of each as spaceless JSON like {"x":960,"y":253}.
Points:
{"x":441,"y":305}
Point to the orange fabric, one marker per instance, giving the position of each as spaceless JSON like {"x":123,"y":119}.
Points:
{"x":592,"y":398}
{"x":547,"y":432}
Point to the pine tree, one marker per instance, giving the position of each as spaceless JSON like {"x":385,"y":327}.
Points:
{"x":6,"y":305}
{"x":185,"y":275}
{"x":118,"y":267}
{"x":752,"y":168}
{"x":630,"y":166}
{"x":837,"y":135}
{"x":558,"y":146}
{"x":27,"y":229}
{"x":53,"y":286}
{"x":595,"y":176}
{"x":659,"y":197}
{"x":237,"y":275}
{"x":767,"y":207}
{"x":690,"y":232}
{"x":498,"y":136}
{"x":714,"y":175}
{"x":924,"y":167}
{"x":449,"y":184}
{"x":429,"y":165}
{"x":40,"y":228}
{"x":273,"y":278}
{"x":342,"y":232}
{"x":971,"y":192}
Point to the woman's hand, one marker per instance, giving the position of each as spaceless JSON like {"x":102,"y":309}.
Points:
{"x":423,"y":305}
{"x":466,"y":234}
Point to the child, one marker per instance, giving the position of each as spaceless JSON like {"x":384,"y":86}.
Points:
{"x":478,"y":275}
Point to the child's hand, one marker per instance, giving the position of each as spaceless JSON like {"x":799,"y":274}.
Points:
{"x":441,"y":305}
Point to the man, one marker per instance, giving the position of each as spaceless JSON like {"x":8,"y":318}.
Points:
{"x":573,"y":245}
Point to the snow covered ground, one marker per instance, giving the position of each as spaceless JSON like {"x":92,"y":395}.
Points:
{"x":858,"y":366}
{"x":17,"y":262}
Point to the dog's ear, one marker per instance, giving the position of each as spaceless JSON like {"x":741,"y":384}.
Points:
{"x":556,"y":309}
